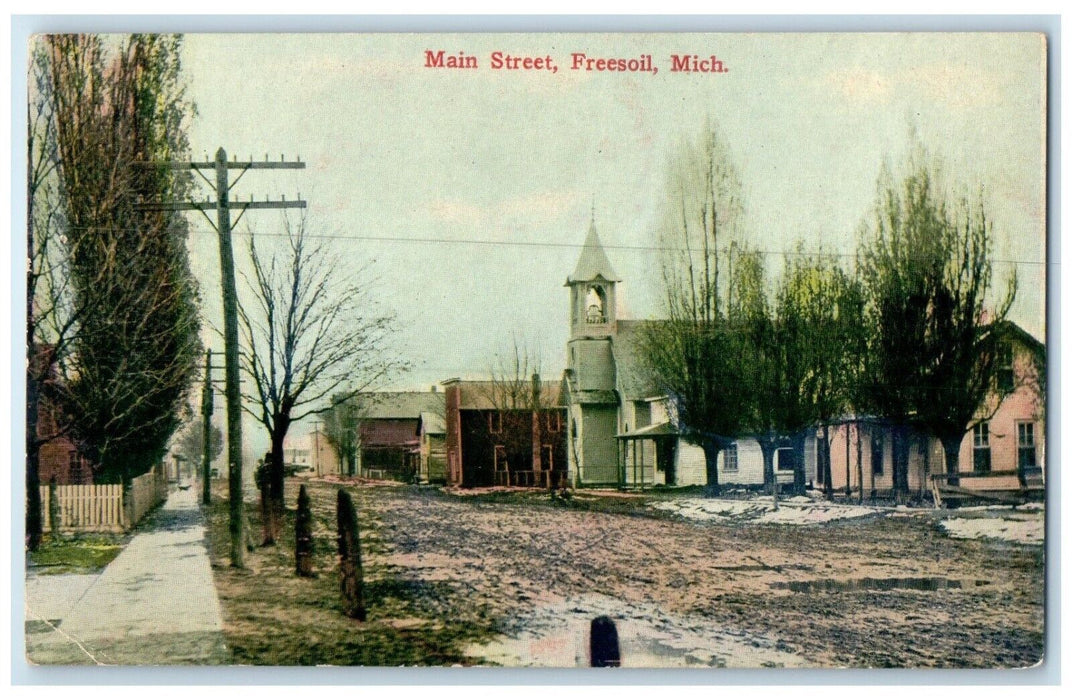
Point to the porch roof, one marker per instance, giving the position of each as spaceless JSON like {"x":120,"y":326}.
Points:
{"x":650,"y":431}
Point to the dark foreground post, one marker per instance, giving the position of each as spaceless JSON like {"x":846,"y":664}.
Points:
{"x":303,"y":535}
{"x":352,"y":577}
{"x":604,"y":643}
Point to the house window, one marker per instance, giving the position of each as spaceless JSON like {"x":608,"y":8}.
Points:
{"x":877,"y":448}
{"x":783,"y":459}
{"x":554,"y":422}
{"x":1025,"y":445}
{"x":547,"y":457}
{"x":74,"y":470}
{"x":981,"y":448}
{"x":729,"y":459}
{"x":501,"y":464}
{"x":495,"y":422}
{"x":1004,"y":371}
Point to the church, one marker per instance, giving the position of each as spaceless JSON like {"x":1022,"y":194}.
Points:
{"x":620,"y":432}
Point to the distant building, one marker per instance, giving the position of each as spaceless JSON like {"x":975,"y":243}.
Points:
{"x":309,"y":454}
{"x":494,"y":442}
{"x":432,"y":435}
{"x":389,"y":444}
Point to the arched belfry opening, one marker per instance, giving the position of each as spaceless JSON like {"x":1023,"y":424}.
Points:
{"x":592,"y":302}
{"x":596,"y":305}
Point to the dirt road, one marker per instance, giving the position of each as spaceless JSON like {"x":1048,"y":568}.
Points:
{"x":888,"y":590}
{"x":515,"y":579}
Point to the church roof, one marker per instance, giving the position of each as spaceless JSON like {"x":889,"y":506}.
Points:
{"x":635,"y":381}
{"x":593,"y":261}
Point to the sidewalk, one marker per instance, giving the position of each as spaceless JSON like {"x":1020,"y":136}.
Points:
{"x":155,"y":604}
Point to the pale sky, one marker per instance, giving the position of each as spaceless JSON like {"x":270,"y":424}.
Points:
{"x":396,"y":150}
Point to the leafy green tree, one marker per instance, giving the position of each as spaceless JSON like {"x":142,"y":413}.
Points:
{"x":928,"y":274}
{"x":128,"y":296}
{"x":829,"y":305}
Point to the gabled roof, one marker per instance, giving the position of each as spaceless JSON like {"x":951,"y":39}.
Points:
{"x":490,"y":395}
{"x":432,"y":423}
{"x":634,"y":380}
{"x":593,"y":262}
{"x":398,"y":404}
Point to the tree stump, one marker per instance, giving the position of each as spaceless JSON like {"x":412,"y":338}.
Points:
{"x":350,"y":572}
{"x":603,"y":643}
{"x":303,"y":536}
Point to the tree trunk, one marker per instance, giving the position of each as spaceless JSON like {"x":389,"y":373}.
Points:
{"x":951,"y":447}
{"x":33,"y":461}
{"x":303,"y":535}
{"x":823,"y":453}
{"x":767,"y":447}
{"x":277,"y":477}
{"x":351,"y":574}
{"x":55,"y":516}
{"x":860,"y":465}
{"x":711,"y":448}
{"x":268,"y":537}
{"x":901,"y":445}
{"x":800,"y":441}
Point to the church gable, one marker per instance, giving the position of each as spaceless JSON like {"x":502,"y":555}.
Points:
{"x":634,"y":379}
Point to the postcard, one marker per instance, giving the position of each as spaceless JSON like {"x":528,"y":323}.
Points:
{"x":636,"y":350}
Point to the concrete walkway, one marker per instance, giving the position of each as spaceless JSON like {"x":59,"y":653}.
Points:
{"x":154,"y":604}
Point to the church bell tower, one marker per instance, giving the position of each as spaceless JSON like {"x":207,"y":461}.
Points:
{"x":592,"y":300}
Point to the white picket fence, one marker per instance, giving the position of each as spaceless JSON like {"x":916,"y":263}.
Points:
{"x":100,"y":507}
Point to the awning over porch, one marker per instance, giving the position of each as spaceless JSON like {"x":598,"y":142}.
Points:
{"x":648,"y":432}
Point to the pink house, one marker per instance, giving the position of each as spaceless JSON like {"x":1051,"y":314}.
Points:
{"x":1003,"y":451}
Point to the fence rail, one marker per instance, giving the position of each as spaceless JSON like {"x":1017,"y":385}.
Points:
{"x":101,"y":507}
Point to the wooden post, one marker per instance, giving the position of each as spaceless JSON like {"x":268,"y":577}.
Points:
{"x":350,"y":571}
{"x":303,"y":535}
{"x":603,"y":644}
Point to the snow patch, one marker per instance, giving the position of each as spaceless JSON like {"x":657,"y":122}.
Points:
{"x":1027,"y":528}
{"x":798,"y":510}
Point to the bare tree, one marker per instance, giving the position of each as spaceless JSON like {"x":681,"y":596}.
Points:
{"x":311,"y":331}
{"x":517,"y":403}
{"x":692,"y":353}
{"x":342,"y":428}
{"x":191,"y":441}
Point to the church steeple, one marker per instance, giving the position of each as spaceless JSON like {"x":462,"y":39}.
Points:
{"x":592,"y":303}
{"x":593,"y":262}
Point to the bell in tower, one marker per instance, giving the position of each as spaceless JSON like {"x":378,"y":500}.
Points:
{"x":592,"y":303}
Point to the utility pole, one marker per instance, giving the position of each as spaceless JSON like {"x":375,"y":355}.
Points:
{"x":223,"y":205}
{"x":206,"y":432}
